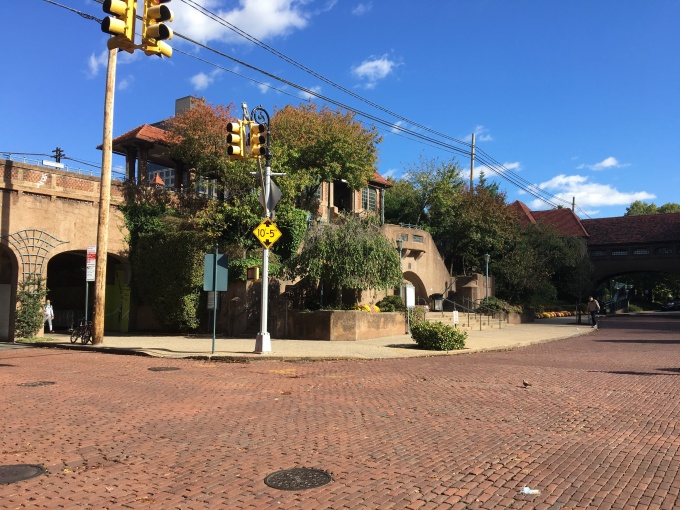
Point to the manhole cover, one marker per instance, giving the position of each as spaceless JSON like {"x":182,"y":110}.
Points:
{"x":37,"y":383}
{"x":298,"y":479}
{"x":19,"y":472}
{"x":163,"y":369}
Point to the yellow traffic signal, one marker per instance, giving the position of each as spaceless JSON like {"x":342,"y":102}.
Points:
{"x":258,"y":139}
{"x":121,"y":25}
{"x":236,"y":140}
{"x":155,"y":31}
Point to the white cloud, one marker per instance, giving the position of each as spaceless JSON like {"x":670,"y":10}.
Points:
{"x":373,"y":70}
{"x":587,"y":194}
{"x":481,"y":135}
{"x":263,"y":19}
{"x":97,"y":62}
{"x":125,"y":83}
{"x":307,"y":96}
{"x":202,"y":81}
{"x":488,"y":172}
{"x":605,"y":164}
{"x":362,"y":9}
{"x":397,"y":125}
{"x":389,"y":174}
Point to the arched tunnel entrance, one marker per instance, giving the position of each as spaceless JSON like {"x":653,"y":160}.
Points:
{"x":73,"y":297}
{"x":420,"y":290}
{"x":8,"y":278}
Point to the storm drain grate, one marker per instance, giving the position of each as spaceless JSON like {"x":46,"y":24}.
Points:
{"x":163,"y":369}
{"x":37,"y":383}
{"x":19,"y":472}
{"x":298,"y":479}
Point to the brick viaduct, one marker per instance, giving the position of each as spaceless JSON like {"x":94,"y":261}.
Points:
{"x":50,"y":215}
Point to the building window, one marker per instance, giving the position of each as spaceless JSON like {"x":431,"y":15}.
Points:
{"x":403,"y":237}
{"x":418,"y":239}
{"x":368,"y":200}
{"x":597,"y":253}
{"x":664,"y":251}
{"x":619,"y":253}
{"x":641,"y":251}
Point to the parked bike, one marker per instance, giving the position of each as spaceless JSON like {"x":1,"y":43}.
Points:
{"x":82,"y":332}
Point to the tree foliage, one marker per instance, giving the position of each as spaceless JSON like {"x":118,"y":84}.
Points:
{"x":638,"y":208}
{"x":314,"y":145}
{"x":197,"y":139}
{"x":351,"y":255}
{"x":30,"y":297}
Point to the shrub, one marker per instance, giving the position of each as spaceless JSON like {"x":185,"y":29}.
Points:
{"x":29,"y":318}
{"x":392,"y":304}
{"x":498,"y":304}
{"x":634,"y":308}
{"x":435,"y":336}
{"x":367,"y":308}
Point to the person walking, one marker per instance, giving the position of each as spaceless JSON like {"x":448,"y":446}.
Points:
{"x":49,"y":314}
{"x":593,"y":308}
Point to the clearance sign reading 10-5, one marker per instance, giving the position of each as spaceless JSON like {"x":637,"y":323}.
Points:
{"x":267,"y":233}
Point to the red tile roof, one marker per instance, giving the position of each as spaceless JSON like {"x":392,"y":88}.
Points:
{"x":146,"y":133}
{"x":649,"y":228}
{"x":379,"y":179}
{"x":563,"y":220}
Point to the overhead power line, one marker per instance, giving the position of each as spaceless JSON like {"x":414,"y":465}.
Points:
{"x":395,"y":128}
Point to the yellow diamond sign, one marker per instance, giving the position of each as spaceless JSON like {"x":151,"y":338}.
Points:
{"x":267,"y":233}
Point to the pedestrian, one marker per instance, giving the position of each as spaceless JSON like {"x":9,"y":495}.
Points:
{"x":593,"y":308}
{"x":49,"y":314}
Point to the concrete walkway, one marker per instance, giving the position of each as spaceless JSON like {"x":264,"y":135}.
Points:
{"x":401,"y":346}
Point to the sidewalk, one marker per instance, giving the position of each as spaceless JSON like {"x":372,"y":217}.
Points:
{"x":401,"y":346}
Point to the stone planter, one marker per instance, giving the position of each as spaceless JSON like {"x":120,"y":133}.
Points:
{"x":344,"y":325}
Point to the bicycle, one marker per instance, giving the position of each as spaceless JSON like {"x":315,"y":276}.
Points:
{"x":82,"y":332}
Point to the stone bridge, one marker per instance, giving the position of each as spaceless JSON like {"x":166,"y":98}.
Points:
{"x":48,"y":218}
{"x":633,"y":244}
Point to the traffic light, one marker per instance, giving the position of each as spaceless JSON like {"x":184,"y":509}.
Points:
{"x":155,"y":30}
{"x":121,"y":25}
{"x":258,"y":140}
{"x":236,"y":140}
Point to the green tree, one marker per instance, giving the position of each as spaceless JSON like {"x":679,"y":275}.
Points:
{"x":351,"y":255}
{"x":30,"y":297}
{"x":313,"y":145}
{"x":638,"y":208}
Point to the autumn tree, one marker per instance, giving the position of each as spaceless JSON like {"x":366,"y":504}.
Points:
{"x":197,"y":139}
{"x":314,"y":145}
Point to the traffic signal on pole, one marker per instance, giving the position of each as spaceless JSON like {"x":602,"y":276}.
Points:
{"x":258,"y":139}
{"x":155,"y":31}
{"x":236,"y":140}
{"x":121,"y":23}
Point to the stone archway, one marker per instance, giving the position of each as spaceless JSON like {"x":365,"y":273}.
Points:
{"x":73,"y":297}
{"x":420,"y":290}
{"x":8,"y":279}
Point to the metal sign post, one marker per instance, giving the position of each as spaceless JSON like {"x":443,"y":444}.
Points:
{"x":215,"y":279}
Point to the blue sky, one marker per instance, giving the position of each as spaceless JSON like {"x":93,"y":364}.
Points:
{"x":578,"y":97}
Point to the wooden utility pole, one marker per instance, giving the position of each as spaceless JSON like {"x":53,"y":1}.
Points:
{"x":104,"y":201}
{"x":472,"y":164}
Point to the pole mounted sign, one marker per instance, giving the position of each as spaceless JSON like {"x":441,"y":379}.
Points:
{"x":267,"y":233}
{"x":91,"y":263}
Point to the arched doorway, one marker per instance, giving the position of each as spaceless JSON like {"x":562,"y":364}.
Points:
{"x":420,"y":290}
{"x":73,"y":297}
{"x":8,"y":278}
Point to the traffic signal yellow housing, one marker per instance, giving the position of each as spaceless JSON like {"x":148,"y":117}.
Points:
{"x":258,"y":139}
{"x":155,"y":31}
{"x":121,"y":23}
{"x":236,"y":140}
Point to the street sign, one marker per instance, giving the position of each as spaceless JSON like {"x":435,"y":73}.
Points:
{"x":91,"y":262}
{"x":267,"y":233}
{"x":215,"y":272}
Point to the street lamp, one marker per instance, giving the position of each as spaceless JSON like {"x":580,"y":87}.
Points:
{"x":400,"y":245}
{"x":486,"y":259}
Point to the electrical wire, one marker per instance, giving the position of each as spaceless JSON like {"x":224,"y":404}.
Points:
{"x":395,"y":128}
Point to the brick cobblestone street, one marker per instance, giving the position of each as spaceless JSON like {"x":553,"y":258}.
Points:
{"x":598,"y":427}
